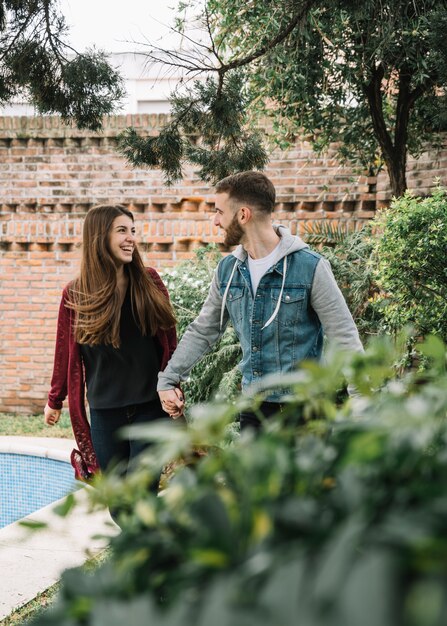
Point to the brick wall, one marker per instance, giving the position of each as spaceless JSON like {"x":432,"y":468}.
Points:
{"x":51,"y":174}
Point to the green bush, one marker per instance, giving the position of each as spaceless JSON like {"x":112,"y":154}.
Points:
{"x":217,"y":373}
{"x":341,"y":521}
{"x":411,"y":263}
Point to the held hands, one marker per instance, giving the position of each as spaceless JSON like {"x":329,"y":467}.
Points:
{"x":172,"y":401}
{"x":51,"y":416}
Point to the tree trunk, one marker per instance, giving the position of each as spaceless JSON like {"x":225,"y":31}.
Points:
{"x":396,"y":164}
{"x":394,"y":154}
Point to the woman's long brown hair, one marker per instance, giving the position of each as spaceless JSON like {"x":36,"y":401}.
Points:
{"x":94,"y":294}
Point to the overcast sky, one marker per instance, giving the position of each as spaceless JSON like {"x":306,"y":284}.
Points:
{"x":113,"y":25}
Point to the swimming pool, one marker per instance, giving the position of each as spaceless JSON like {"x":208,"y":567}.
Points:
{"x":28,"y":483}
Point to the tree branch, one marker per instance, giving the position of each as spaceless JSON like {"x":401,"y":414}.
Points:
{"x":210,"y":35}
{"x":374,"y":96}
{"x":21,"y":30}
{"x":280,"y":37}
{"x":49,"y":33}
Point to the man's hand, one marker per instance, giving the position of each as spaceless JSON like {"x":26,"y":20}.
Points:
{"x":51,"y":415}
{"x":172,"y":401}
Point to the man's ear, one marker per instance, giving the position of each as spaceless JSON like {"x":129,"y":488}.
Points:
{"x":245,"y":214}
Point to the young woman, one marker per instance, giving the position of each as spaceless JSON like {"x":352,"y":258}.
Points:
{"x":115,"y":332}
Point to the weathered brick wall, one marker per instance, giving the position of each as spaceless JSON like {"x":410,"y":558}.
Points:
{"x":51,"y":174}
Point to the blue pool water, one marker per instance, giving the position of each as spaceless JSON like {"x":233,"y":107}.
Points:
{"x":27,"y":483}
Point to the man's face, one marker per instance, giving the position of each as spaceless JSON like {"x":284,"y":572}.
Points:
{"x":227,"y":218}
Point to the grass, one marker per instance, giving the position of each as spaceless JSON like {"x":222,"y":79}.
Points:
{"x":34,"y":426}
{"x":32,"y":608}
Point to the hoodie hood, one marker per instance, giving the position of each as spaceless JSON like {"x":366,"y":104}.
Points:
{"x":288,"y":243}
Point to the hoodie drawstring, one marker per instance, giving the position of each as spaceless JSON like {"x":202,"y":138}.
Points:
{"x":275,"y":312}
{"x":224,"y":299}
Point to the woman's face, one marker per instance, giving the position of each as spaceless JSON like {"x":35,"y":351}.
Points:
{"x":122,"y":239}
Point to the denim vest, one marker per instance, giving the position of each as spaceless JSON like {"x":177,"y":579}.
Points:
{"x":295,"y":333}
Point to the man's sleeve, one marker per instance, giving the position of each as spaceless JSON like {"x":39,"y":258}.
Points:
{"x":329,"y":304}
{"x":198,"y":339}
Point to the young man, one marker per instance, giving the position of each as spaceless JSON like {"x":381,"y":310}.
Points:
{"x":279,"y":295}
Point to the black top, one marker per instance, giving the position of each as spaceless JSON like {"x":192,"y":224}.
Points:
{"x":118,"y":377}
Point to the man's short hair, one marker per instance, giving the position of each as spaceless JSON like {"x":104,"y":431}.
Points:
{"x":251,"y":188}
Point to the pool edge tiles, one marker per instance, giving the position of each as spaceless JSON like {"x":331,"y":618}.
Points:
{"x":29,"y":483}
{"x":35,"y":471}
{"x":50,"y":447}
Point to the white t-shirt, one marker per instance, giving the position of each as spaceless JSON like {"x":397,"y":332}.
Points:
{"x":258,"y":267}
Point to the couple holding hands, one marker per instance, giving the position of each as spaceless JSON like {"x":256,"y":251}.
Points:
{"x":116,"y":334}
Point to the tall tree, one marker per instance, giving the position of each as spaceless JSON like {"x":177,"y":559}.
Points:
{"x":368,"y":76}
{"x":37,"y":63}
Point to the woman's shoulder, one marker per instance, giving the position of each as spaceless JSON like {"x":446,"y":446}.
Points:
{"x":154,"y":275}
{"x":67,"y":291}
{"x":152,"y":271}
{"x":156,"y":278}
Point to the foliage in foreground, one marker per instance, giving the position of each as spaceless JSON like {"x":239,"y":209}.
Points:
{"x":341,"y":521}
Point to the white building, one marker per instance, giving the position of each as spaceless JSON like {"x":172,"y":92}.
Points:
{"x":148,"y":86}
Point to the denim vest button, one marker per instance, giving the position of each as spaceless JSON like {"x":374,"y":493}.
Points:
{"x":287,"y":297}
{"x":255,"y":348}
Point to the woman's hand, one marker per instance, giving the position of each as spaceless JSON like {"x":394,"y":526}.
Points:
{"x":51,"y":416}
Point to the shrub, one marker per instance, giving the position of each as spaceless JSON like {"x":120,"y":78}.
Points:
{"x":341,"y":521}
{"x":411,"y":263}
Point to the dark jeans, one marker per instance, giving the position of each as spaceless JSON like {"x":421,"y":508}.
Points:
{"x":250,"y":419}
{"x":110,"y":448}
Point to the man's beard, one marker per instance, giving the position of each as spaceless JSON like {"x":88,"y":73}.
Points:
{"x":233,"y":233}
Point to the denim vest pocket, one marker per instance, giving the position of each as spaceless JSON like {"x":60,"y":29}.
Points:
{"x":234,"y":304}
{"x":292,"y":303}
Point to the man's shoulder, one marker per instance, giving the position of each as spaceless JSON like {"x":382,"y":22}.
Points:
{"x":226,"y":263}
{"x":306,"y":253}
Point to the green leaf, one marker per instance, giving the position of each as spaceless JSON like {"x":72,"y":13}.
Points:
{"x":66,"y":506}
{"x":434,"y":348}
{"x":33,"y":524}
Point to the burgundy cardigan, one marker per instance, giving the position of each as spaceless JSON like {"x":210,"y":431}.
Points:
{"x":68,"y":379}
